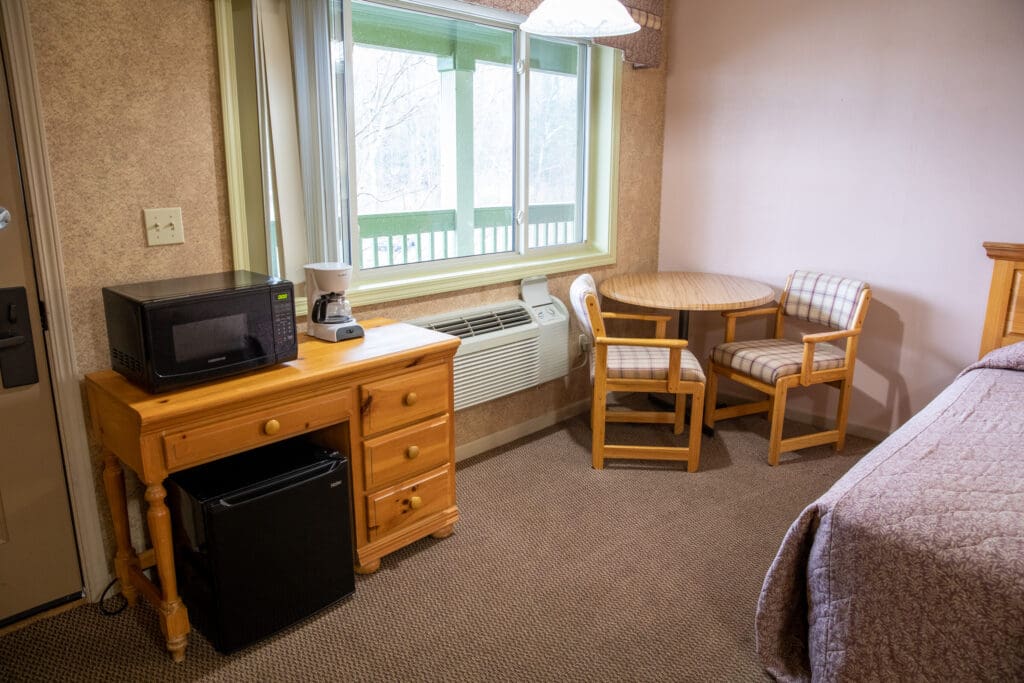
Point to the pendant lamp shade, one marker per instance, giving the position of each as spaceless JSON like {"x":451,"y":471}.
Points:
{"x":580,"y":19}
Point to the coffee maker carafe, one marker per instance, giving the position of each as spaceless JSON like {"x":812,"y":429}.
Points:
{"x":330,"y":314}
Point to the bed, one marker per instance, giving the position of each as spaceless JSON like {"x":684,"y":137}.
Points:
{"x":911,"y":567}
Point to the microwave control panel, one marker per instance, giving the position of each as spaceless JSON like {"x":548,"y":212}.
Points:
{"x":283,"y":311}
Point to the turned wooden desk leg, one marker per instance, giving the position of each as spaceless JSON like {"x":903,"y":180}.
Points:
{"x":125,"y":558}
{"x":367,"y":568}
{"x":173,"y":615}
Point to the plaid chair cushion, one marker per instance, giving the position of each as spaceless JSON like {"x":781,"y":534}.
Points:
{"x":823,"y":299}
{"x":641,"y":362}
{"x":769,"y":359}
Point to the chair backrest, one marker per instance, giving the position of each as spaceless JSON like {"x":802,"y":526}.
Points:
{"x":580,"y":289}
{"x":823,"y":299}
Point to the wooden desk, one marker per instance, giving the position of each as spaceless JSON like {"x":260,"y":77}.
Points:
{"x":385,"y":400}
{"x":685,"y":292}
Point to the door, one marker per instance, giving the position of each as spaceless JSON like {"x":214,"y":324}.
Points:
{"x":38,"y":558}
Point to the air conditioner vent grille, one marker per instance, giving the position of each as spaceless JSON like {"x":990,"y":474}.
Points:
{"x":505,"y":348}
{"x":466,"y":326}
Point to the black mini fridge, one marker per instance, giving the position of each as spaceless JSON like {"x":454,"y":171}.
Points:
{"x":263,"y":539}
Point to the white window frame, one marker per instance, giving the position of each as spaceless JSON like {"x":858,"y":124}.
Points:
{"x":390,"y":283}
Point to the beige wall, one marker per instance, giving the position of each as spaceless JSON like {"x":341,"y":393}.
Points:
{"x":131,"y":113}
{"x":877,"y":139}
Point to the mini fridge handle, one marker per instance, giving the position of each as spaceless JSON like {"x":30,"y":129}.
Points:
{"x":294,"y":479}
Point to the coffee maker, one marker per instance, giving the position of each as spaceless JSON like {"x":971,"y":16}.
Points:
{"x":330,"y":314}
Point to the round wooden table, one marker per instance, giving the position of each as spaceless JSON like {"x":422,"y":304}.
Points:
{"x":685,"y":292}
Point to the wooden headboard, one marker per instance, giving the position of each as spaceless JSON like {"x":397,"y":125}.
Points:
{"x":1004,"y":319}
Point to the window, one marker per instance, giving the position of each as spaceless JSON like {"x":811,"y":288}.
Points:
{"x":435,"y":130}
{"x":472,"y":152}
{"x":433,"y":136}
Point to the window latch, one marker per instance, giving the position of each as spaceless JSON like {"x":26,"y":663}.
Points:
{"x":520,"y":215}
{"x":520,"y":66}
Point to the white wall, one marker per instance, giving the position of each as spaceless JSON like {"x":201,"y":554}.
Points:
{"x":876,"y":139}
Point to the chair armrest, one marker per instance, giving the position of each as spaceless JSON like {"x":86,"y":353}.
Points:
{"x":660,"y":320}
{"x":809,"y":340}
{"x":828,"y":336}
{"x":637,"y":341}
{"x":732,"y":316}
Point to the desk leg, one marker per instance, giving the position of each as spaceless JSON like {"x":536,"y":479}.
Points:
{"x":125,"y":559}
{"x":173,"y":615}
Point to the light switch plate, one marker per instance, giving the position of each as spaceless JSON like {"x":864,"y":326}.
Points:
{"x":163,"y":226}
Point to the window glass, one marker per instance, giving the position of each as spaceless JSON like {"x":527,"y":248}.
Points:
{"x":555,"y":162}
{"x":433,"y":122}
{"x":493,"y":158}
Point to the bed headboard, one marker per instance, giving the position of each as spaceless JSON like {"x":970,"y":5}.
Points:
{"x":1004,"y":319}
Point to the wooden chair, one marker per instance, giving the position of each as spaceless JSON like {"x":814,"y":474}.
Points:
{"x":638,"y":365}
{"x":774,"y":366}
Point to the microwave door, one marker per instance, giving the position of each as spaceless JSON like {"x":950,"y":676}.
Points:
{"x":210,"y":334}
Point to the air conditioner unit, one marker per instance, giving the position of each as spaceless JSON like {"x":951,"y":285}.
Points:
{"x":506,"y":347}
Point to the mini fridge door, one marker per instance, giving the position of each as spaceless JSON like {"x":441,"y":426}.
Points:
{"x":260,"y":558}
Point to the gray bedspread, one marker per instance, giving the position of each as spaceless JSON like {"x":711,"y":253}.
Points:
{"x":911,"y":567}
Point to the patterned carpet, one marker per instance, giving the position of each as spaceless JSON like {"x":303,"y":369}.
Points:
{"x":640,"y":572}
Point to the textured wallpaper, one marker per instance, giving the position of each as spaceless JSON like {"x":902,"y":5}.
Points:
{"x":131,"y":112}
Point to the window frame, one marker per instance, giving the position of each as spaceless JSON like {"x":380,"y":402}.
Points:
{"x":390,"y":283}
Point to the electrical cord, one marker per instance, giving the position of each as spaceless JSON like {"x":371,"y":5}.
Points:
{"x":584,"y":354}
{"x":104,"y":611}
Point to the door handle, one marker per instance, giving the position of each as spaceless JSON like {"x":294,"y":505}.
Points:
{"x":12,"y":341}
{"x":17,"y":350}
{"x":5,"y":217}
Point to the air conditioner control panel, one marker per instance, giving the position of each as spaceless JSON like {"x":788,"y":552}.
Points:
{"x":553,"y":320}
{"x":548,"y":314}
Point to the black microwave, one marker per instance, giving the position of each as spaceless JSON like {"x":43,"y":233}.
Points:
{"x":168,"y":334}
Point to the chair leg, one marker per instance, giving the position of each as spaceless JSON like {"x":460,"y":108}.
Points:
{"x":680,"y":414}
{"x":778,"y":413}
{"x":845,"y":388}
{"x":693,"y":462}
{"x":710,"y":396}
{"x":597,"y":425}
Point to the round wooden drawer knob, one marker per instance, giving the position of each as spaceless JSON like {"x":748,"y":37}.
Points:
{"x":411,"y":398}
{"x":412,"y":452}
{"x":415,"y":502}
{"x":271,"y":427}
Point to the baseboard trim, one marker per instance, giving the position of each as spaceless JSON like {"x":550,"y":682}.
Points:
{"x":520,"y":430}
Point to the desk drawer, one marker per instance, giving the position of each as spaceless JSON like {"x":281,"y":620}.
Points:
{"x":407,"y":452}
{"x":255,"y":428}
{"x":400,"y":506}
{"x":398,"y":401}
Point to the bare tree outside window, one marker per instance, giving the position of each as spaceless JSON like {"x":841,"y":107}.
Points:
{"x":396,"y":130}
{"x":435,"y":130}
